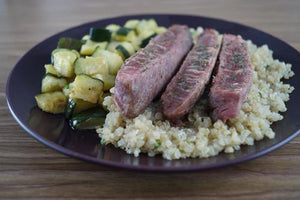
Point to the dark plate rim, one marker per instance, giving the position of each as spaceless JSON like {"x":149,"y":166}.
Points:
{"x":73,"y":154}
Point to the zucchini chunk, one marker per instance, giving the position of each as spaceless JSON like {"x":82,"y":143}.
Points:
{"x":112,"y":27}
{"x":123,"y":31}
{"x":112,"y":46}
{"x":160,"y":30}
{"x":108,"y":80}
{"x":132,"y":23}
{"x":152,"y":24}
{"x":122,"y":52}
{"x":53,"y":102}
{"x":146,"y":34}
{"x":63,"y":61}
{"x":114,"y":61}
{"x":125,"y":34}
{"x":146,"y":25}
{"x":89,"y":119}
{"x":89,"y":47}
{"x":75,"y":106}
{"x":51,"y":70}
{"x":91,"y":66}
{"x":69,"y":43}
{"x":125,"y":50}
{"x":146,"y":40}
{"x":51,"y":83}
{"x":66,"y":90}
{"x":100,"y":34}
{"x":86,"y":88}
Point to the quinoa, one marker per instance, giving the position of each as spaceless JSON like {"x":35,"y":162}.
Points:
{"x":150,"y":133}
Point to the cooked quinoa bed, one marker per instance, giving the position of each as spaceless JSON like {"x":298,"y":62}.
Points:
{"x":151,"y":134}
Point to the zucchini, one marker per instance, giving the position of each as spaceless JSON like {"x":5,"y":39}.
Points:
{"x":51,"y":70}
{"x":66,"y":90}
{"x":131,"y":23}
{"x":69,"y":43}
{"x":113,"y":27}
{"x":86,"y":88}
{"x":75,"y":106}
{"x":63,"y":61}
{"x":85,"y":38}
{"x":53,"y":102}
{"x":123,"y":31}
{"x":51,"y":83}
{"x":114,"y":61}
{"x":146,"y":25}
{"x":146,"y":40}
{"x":141,"y":26}
{"x":90,"y":66}
{"x":146,"y":34}
{"x":89,"y":119}
{"x":152,"y":24}
{"x":125,"y":50}
{"x":160,"y":30}
{"x":112,"y":46}
{"x":100,"y":34}
{"x":108,"y":80}
{"x":89,"y":47}
{"x":120,"y":49}
{"x":125,"y":34}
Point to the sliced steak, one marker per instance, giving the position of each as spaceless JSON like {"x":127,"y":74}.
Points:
{"x":188,"y":84}
{"x":233,"y":79}
{"x":143,"y":75}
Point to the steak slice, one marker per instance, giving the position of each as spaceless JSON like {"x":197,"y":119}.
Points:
{"x":144,"y":74}
{"x":233,"y":79}
{"x":188,"y":84}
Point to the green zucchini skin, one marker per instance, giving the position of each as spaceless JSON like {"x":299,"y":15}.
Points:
{"x":76,"y":106}
{"x":146,"y":40}
{"x":123,"y":31}
{"x":121,"y":49}
{"x":88,"y":119}
{"x":100,"y":34}
{"x":69,"y":43}
{"x":70,"y":108}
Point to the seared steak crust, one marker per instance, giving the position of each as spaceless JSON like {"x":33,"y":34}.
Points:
{"x":144,"y":75}
{"x":188,"y":84}
{"x":233,"y":79}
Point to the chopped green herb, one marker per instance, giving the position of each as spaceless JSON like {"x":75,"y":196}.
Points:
{"x":260,"y":94}
{"x":158,"y":144}
{"x":267,"y":67}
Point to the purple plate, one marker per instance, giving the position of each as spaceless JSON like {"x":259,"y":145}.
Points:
{"x":53,"y":131}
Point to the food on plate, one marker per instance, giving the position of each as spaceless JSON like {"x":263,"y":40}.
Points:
{"x":233,"y":80}
{"x":189,"y":83}
{"x":225,"y":91}
{"x":82,"y":71}
{"x":146,"y":73}
{"x":202,"y":136}
{"x":53,"y":102}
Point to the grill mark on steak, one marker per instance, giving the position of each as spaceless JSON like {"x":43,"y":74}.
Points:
{"x":143,"y":75}
{"x":188,"y":84}
{"x":233,"y":79}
